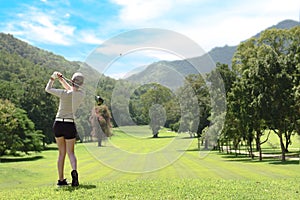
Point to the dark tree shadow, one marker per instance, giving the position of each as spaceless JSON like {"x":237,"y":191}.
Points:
{"x":50,"y":148}
{"x":69,"y":188}
{"x":20,"y":159}
{"x":194,"y":149}
{"x":276,"y":160}
{"x":188,"y":138}
{"x":161,"y":137}
{"x":288,"y":162}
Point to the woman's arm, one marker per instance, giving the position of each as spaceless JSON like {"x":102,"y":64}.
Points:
{"x":50,"y":89}
{"x":63,"y":82}
{"x":49,"y":85}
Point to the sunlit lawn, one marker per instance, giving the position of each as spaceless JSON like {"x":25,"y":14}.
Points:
{"x":194,"y":175}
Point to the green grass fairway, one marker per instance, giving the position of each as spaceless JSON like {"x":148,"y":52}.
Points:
{"x":214,"y":176}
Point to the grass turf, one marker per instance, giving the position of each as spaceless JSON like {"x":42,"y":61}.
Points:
{"x":215,"y":176}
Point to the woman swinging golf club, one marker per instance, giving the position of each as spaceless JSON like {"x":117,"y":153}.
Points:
{"x":64,"y":127}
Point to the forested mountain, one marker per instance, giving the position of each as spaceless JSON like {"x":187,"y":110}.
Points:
{"x":161,"y":70}
{"x":40,"y":57}
{"x":37,"y":56}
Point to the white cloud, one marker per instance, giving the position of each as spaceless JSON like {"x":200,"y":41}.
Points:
{"x":243,"y":21}
{"x":89,"y":37}
{"x":120,"y":75}
{"x":52,"y":27}
{"x":140,"y":11}
{"x":208,"y":23}
{"x":67,"y":15}
{"x":41,"y":27}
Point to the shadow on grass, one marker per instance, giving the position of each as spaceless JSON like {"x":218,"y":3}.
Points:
{"x":271,"y":160}
{"x":194,"y":149}
{"x":18,"y":159}
{"x":80,"y":187}
{"x":162,"y":137}
{"x":50,"y":148}
{"x":288,"y":162}
{"x":189,"y":138}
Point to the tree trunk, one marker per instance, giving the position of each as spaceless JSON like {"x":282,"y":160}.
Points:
{"x":282,"y":147}
{"x":219,"y":146}
{"x":236,"y":146}
{"x":155,"y":131}
{"x":155,"y":135}
{"x":258,"y":144}
{"x":251,"y":150}
{"x":222,"y":147}
{"x":257,"y":141}
{"x":2,"y":153}
{"x":260,"y":153}
{"x":287,"y":142}
{"x":228,"y":147}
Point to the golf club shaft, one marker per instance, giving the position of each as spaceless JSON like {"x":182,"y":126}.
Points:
{"x":70,"y":81}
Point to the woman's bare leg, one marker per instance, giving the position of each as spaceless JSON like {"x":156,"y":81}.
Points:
{"x":70,"y":143}
{"x":60,"y":141}
{"x":70,"y":150}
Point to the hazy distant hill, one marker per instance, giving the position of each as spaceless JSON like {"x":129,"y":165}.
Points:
{"x":174,"y":71}
{"x":286,"y":24}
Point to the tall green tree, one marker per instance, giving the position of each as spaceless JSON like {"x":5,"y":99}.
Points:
{"x":245,"y":98}
{"x":157,"y":116}
{"x":17,"y":131}
{"x":293,"y":58}
{"x":154,"y":102}
{"x":220,"y":81}
{"x":277,"y":71}
{"x":195,"y":105}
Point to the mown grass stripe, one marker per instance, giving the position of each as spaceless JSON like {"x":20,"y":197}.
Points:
{"x":216,"y":176}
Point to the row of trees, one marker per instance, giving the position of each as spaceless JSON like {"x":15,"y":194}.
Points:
{"x":265,"y":91}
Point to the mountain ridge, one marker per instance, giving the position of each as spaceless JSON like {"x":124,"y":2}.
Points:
{"x":185,"y":67}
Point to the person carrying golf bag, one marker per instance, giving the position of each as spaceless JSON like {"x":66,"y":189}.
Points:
{"x":64,"y":127}
{"x":100,"y":121}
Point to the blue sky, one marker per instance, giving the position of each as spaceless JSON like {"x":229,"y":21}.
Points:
{"x":74,"y":29}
